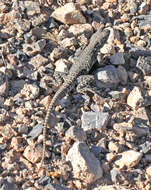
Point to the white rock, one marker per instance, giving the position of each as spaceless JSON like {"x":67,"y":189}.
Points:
{"x":85,"y":165}
{"x":129,"y":158}
{"x":77,"y":29}
{"x":61,"y":65}
{"x":134,"y":97}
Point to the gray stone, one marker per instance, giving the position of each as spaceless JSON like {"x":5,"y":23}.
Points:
{"x":144,"y":64}
{"x":32,"y":8}
{"x":38,"y":61}
{"x":107,"y":77}
{"x":36,"y":131}
{"x":94,"y":120}
{"x":22,"y":25}
{"x":76,"y":133}
{"x":56,"y":187}
{"x":111,"y":187}
{"x":34,"y":48}
{"x":145,"y":147}
{"x":85,"y":165}
{"x":7,"y":184}
{"x":123,"y":75}
{"x":117,"y":59}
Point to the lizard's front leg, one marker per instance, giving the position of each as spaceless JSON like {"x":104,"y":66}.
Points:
{"x":86,"y":83}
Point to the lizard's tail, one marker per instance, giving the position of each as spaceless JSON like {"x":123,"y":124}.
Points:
{"x":50,"y":108}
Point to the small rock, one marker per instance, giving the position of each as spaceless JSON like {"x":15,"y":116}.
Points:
{"x":38,"y":61}
{"x":107,"y":49}
{"x":7,"y":131}
{"x":115,"y":174}
{"x":123,"y":75}
{"x":140,"y":127}
{"x":23,"y":129}
{"x":30,"y":91}
{"x":148,"y":171}
{"x":110,"y":156}
{"x":107,"y":77}
{"x":22,"y":26}
{"x":62,"y":65}
{"x":85,"y":166}
{"x":129,"y":158}
{"x":142,"y":115}
{"x":11,"y":59}
{"x":111,"y":187}
{"x":34,"y":48}
{"x":36,"y":131}
{"x":144,"y":148}
{"x":7,"y":184}
{"x":39,"y":32}
{"x":76,"y":133}
{"x":18,"y":144}
{"x":114,"y":147}
{"x":69,"y":42}
{"x":117,"y":59}
{"x":3,"y":7}
{"x":45,"y":101}
{"x":33,"y":153}
{"x":51,"y":186}
{"x":143,"y":8}
{"x":144,"y":64}
{"x":134,"y":97}
{"x":147,"y":157}
{"x":32,"y":8}
{"x":94,"y":120}
{"x":78,"y":29}
{"x":69,"y":14}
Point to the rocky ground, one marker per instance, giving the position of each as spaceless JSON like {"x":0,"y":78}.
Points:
{"x":103,"y":146}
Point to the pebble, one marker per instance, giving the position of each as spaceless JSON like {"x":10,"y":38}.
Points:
{"x":70,"y":13}
{"x":148,"y":170}
{"x":85,"y":165}
{"x":144,"y":148}
{"x":144,"y":64}
{"x":78,"y":29}
{"x":76,"y":133}
{"x":123,"y":75}
{"x":38,"y":61}
{"x":114,"y":147}
{"x":140,"y":127}
{"x":129,"y":158}
{"x":22,"y":26}
{"x":34,"y":48}
{"x":94,"y":120}
{"x":7,"y":183}
{"x":107,"y":49}
{"x":134,"y":97}
{"x":30,"y":91}
{"x":36,"y":131}
{"x":32,"y":8}
{"x":107,"y":77}
{"x":62,"y":65}
{"x":111,"y":187}
{"x":117,"y":59}
{"x":33,"y":153}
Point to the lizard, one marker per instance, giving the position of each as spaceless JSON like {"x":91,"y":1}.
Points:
{"x":81,"y":67}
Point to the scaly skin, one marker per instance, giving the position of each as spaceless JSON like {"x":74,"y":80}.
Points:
{"x":83,"y":64}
